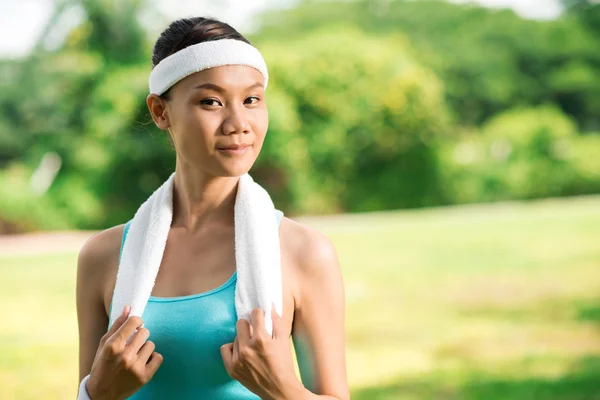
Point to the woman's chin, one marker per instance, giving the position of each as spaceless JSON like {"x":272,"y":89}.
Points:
{"x":235,"y":168}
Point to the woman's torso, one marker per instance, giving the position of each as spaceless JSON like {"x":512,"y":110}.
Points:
{"x":189,"y":331}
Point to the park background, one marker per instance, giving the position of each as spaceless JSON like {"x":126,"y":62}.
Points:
{"x":451,"y":151}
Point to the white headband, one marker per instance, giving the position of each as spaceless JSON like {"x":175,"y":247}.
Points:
{"x":202,"y":56}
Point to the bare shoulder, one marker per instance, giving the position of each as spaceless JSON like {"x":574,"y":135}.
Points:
{"x":98,"y":260}
{"x":307,"y":244}
{"x":313,"y":256}
{"x":100,"y":249}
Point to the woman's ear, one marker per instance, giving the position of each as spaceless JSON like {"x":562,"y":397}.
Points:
{"x":158,"y":110}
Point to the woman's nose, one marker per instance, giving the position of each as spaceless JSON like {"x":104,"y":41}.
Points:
{"x":236,"y":121}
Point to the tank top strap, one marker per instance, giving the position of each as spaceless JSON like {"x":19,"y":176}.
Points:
{"x":125,"y":230}
{"x":278,"y":216}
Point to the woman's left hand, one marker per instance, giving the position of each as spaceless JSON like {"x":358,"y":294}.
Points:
{"x":262,"y":363}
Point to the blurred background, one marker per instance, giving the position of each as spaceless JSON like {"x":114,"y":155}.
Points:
{"x":451,"y":151}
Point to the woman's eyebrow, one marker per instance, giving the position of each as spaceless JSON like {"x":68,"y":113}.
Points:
{"x":257,"y":84}
{"x":219,"y":89}
{"x":210,"y":86}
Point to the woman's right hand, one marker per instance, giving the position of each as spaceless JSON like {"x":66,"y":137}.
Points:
{"x":122,"y":367}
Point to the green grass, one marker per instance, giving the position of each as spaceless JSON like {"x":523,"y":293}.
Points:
{"x":478,"y":302}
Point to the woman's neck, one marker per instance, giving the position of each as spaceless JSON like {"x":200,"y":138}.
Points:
{"x":199,"y":198}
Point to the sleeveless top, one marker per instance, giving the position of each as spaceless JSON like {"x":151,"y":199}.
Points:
{"x":189,"y":332}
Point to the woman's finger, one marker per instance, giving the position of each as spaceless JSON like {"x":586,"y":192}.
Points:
{"x":146,"y":351}
{"x":128,"y":328}
{"x":154,"y":362}
{"x":226,"y":355}
{"x":277,"y":325}
{"x":235,"y":351}
{"x":138,"y":339}
{"x":242,"y":328}
{"x":119,"y":321}
{"x":258,"y":323}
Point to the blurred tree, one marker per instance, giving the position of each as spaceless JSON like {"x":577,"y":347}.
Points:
{"x":369,"y":115}
{"x":113,"y":30}
{"x":489,"y":60}
{"x":78,"y":97}
{"x":587,"y":11}
{"x":358,"y":110}
{"x":521,"y":154}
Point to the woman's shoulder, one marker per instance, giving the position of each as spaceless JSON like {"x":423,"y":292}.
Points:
{"x":99,"y":256}
{"x":312,"y":254}
{"x":102,"y":245}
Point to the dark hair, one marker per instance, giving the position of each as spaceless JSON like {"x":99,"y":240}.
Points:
{"x":189,"y":31}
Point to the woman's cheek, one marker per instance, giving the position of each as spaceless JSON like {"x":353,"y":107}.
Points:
{"x":261,"y":124}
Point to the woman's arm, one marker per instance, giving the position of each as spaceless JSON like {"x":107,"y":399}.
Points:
{"x":118,"y":367}
{"x":319,"y":319}
{"x":263,"y":363}
{"x":94,"y":262}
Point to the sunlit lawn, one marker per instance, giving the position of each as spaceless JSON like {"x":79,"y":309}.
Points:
{"x":477,"y":302}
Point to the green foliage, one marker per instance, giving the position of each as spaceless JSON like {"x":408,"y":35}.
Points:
{"x":522,"y":153}
{"x":72,"y":205}
{"x":373,"y":105}
{"x":585,"y":160}
{"x":18,"y":204}
{"x":489,"y":60}
{"x":85,"y":102}
{"x":361,"y":138}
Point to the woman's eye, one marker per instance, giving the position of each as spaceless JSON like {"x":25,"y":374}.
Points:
{"x":210,"y":102}
{"x":250,"y":98}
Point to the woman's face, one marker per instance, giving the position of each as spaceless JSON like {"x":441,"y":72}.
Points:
{"x":212,"y":109}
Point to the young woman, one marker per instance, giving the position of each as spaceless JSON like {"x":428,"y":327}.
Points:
{"x":198,"y":349}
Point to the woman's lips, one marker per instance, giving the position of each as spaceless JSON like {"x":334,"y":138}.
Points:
{"x":235,"y":152}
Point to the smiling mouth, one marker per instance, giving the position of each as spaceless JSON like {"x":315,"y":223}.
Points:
{"x":234,"y":147}
{"x":238,"y":150}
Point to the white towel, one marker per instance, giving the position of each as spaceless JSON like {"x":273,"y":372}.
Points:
{"x":257,"y":252}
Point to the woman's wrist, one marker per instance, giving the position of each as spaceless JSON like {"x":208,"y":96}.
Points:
{"x":92,"y":390}
{"x":83,"y":393}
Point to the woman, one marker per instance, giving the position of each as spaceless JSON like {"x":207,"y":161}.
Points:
{"x":198,"y":350}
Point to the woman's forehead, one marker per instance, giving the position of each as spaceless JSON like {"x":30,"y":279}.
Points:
{"x":227,"y":77}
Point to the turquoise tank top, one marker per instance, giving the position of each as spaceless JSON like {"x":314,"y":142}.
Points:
{"x":189,"y":332}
